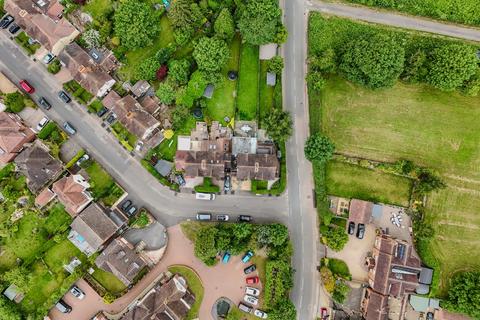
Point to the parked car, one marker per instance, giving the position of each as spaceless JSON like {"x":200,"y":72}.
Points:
{"x":48,"y":58}
{"x":244,"y":218}
{"x":64,"y":96}
{"x":430,"y":316}
{"x":63,"y":307}
{"x":180,"y":180}
{"x":250,"y":269}
{"x":42,"y":123}
{"x":247,"y":256}
{"x":360,"y":231}
{"x":204,"y":196}
{"x":69,"y":128}
{"x":111,"y":118}
{"x":6,"y":21}
{"x":44,"y":103}
{"x":202,"y":216}
{"x":323,"y":313}
{"x":125,"y":205}
{"x":102,"y":112}
{"x":351,"y":227}
{"x":131,"y":212}
{"x":77,"y":292}
{"x":82,"y":159}
{"x":14,"y":28}
{"x":252,"y":291}
{"x":139,"y":146}
{"x":244,"y":308}
{"x":250,"y":299}
{"x":226,"y":257}
{"x":260,"y":314}
{"x":227,"y":185}
{"x":27,"y":86}
{"x":222,"y":217}
{"x":252,"y":280}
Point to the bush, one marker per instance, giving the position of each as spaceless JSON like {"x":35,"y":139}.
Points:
{"x":319,"y":148}
{"x":207,"y":186}
{"x":336,"y":238}
{"x":340,"y":292}
{"x":339,"y":268}
{"x":54,"y":67}
{"x":15,"y":101}
{"x":275,"y":65}
{"x":47,"y":131}
{"x":279,"y":280}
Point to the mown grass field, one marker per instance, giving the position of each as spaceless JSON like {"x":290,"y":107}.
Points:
{"x":434,"y":129}
{"x":247,"y":100}
{"x":352,"y":181}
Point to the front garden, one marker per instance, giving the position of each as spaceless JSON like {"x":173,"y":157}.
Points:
{"x":102,"y":185}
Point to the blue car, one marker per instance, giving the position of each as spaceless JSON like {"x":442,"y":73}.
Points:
{"x":247,"y":256}
{"x":226,"y":257}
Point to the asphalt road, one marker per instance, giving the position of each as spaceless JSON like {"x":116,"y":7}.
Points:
{"x":302,"y":216}
{"x":143,"y":188}
{"x":394,"y":19}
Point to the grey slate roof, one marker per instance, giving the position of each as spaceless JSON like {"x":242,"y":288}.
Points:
{"x":164,"y":167}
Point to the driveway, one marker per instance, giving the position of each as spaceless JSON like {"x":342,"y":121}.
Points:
{"x":355,"y":252}
{"x":81,"y":309}
{"x":31,"y":117}
{"x":68,"y":150}
{"x":154,"y":236}
{"x":231,"y":284}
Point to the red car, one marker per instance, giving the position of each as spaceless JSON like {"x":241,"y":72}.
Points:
{"x":252,"y":280}
{"x":324,"y":313}
{"x":27,"y":87}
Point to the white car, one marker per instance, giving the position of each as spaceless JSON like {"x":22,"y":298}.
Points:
{"x":252,"y":291}
{"x":250,"y":299}
{"x":42,"y":123}
{"x":77,"y":292}
{"x":260,"y":314}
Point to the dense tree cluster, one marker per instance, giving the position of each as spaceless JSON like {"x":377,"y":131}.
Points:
{"x":136,"y":24}
{"x":278,"y":124}
{"x":464,"y":294}
{"x":319,"y":148}
{"x":210,"y":54}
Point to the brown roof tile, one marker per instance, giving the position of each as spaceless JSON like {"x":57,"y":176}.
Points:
{"x":131,"y":114}
{"x":72,"y":193}
{"x":202,"y":163}
{"x":360,"y":211}
{"x":13,"y":135}
{"x":44,"y":197}
{"x":257,"y":167}
{"x":376,"y":306}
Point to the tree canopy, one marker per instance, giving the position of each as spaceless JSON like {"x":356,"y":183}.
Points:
{"x":211,"y":54}
{"x":224,"y":25}
{"x":166,"y":92}
{"x":205,"y":245}
{"x":336,"y":238}
{"x":185,"y":14}
{"x":451,"y":65}
{"x":15,"y":101}
{"x":464,"y":294}
{"x":258,"y":21}
{"x":179,"y":71}
{"x":374,"y":61}
{"x":284,"y":310}
{"x":319,"y":148}
{"x":275,"y":65}
{"x":278,"y":124}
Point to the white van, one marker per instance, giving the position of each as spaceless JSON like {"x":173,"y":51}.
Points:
{"x":205,"y":196}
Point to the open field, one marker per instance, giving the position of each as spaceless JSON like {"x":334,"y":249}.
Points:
{"x":247,"y":100}
{"x":353,"y":181}
{"x":222,"y":103}
{"x":434,"y":129}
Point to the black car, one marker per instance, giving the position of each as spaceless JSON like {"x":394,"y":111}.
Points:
{"x":429,"y":315}
{"x":244,"y":218}
{"x":102,"y":112}
{"x":351,"y":227}
{"x":361,"y":231}
{"x":64,"y":97}
{"x":250,"y":269}
{"x":6,"y":21}
{"x":111,"y":118}
{"x":126,"y":205}
{"x":44,"y":103}
{"x":14,"y":28}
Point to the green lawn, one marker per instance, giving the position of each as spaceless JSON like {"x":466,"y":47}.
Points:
{"x":108,"y":280}
{"x":164,"y":38}
{"x":247,"y":99}
{"x":98,"y":9}
{"x":434,"y":129}
{"x":102,"y":185}
{"x":194,"y":285}
{"x":352,"y":181}
{"x":124,"y":135}
{"x":222,"y":103}
{"x":266,"y":92}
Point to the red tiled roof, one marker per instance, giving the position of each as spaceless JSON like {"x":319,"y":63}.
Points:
{"x":360,"y":211}
{"x":13,"y":135}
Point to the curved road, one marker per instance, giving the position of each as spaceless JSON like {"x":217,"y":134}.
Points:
{"x":296,"y":208}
